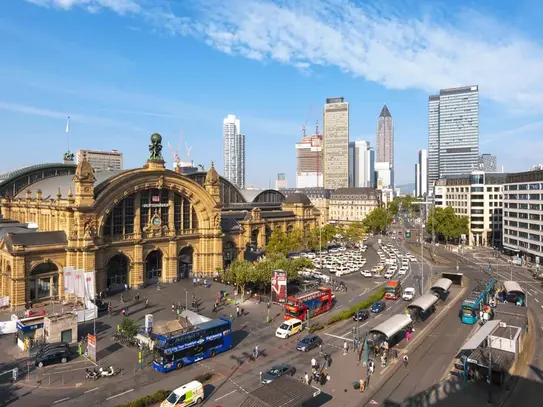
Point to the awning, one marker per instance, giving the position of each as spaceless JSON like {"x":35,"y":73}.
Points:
{"x":479,"y":336}
{"x":501,"y":359}
{"x":282,"y":392}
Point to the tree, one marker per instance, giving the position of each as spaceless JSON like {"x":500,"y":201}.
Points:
{"x":377,"y":220}
{"x":128,"y":327}
{"x":447,"y":224}
{"x":354,"y":232}
{"x":240,"y":273}
{"x":393,"y":206}
{"x":285,"y":243}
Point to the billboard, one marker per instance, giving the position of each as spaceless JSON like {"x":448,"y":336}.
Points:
{"x":279,"y":286}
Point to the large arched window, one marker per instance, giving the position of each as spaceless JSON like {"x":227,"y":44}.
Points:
{"x":147,"y":203}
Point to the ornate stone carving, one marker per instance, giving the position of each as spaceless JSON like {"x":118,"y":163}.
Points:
{"x":217,"y":221}
{"x":155,"y":148}
{"x":89,"y":227}
{"x":155,"y":227}
{"x":160,"y":182}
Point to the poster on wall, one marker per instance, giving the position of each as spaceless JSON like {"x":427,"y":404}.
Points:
{"x":279,"y":286}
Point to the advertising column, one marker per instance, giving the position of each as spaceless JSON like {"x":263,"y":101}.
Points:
{"x":279,"y":287}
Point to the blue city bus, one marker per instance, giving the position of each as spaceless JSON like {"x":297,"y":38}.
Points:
{"x":475,"y":301}
{"x":192,"y":344}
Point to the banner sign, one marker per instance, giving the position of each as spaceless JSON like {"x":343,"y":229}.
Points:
{"x":68,"y":280}
{"x":279,"y":286}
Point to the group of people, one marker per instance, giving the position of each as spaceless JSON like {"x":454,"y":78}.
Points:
{"x":318,"y":373}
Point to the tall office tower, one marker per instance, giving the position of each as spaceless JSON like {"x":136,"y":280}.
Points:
{"x":281,"y":182}
{"x":102,"y":160}
{"x":423,"y":169}
{"x":336,"y":143}
{"x":234,"y":151}
{"x":453,"y":132}
{"x":309,"y":162}
{"x":361,"y":165}
{"x":488,"y":163}
{"x":385,"y":138}
{"x":417,"y":179}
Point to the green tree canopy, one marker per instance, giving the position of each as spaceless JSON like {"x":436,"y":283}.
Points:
{"x":354,"y":232}
{"x":447,"y":224}
{"x":377,"y":220}
{"x":393,"y":206}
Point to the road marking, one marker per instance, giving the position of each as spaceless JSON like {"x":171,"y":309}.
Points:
{"x":536,"y":300}
{"x":61,"y":400}
{"x":91,"y":390}
{"x":365,"y":323}
{"x":339,"y":306}
{"x":226,"y":395}
{"x":352,"y":299}
{"x":338,"y":337}
{"x":54,"y":372}
{"x":120,"y":394}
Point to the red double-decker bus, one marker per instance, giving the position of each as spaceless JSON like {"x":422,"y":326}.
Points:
{"x":313,"y":303}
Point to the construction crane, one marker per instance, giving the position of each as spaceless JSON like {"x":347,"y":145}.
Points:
{"x":319,"y":144}
{"x":305,"y":123}
{"x":175,"y":152}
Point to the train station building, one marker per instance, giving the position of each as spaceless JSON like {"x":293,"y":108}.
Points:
{"x":133,"y":227}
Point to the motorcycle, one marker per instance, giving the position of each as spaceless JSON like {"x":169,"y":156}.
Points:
{"x":91,"y":374}
{"x":110,"y":372}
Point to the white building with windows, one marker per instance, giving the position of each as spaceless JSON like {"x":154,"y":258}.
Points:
{"x":361,"y":165}
{"x":102,"y":160}
{"x":234,"y":151}
{"x":523,"y":215}
{"x":478,"y":196}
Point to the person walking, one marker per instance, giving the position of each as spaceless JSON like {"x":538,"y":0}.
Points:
{"x":109,"y":310}
{"x":122,"y":298}
{"x":407,"y":336}
{"x":194,"y":281}
{"x":306,"y":378}
{"x":256,"y":352}
{"x":137,"y":297}
{"x":238,"y":311}
{"x":405,"y":361}
{"x":345,"y":347}
{"x":314,"y":363}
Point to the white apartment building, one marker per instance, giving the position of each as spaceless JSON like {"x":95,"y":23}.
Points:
{"x":423,"y":172}
{"x":102,"y":160}
{"x":384,"y":175}
{"x":336,"y":143}
{"x":234,"y":151}
{"x":523,"y":215}
{"x":309,"y":162}
{"x":478,"y":196}
{"x":349,"y":205}
{"x":361,"y":165}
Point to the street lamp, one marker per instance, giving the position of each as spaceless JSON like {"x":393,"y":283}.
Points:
{"x":422,"y":243}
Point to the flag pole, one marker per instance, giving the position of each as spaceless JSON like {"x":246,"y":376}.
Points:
{"x":68,"y":131}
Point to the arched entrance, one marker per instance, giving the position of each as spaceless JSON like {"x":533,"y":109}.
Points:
{"x":230,"y":253}
{"x":290,"y":228}
{"x":43,"y":282}
{"x":117,"y":272}
{"x":153,"y":267}
{"x":184,"y":262}
{"x":254,"y":238}
{"x":268,"y":234}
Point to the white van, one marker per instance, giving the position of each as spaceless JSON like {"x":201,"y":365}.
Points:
{"x":289,"y":328}
{"x":188,"y":395}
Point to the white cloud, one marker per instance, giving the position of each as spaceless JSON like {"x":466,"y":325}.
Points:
{"x":382,"y":45}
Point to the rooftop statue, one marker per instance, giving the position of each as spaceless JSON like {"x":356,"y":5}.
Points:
{"x":155,"y":148}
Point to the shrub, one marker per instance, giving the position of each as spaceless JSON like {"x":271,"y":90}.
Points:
{"x":315,"y":327}
{"x":368,"y":302}
{"x":146,"y":401}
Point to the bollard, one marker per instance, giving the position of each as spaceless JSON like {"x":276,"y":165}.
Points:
{"x":63,"y":380}
{"x":135,"y":368}
{"x":49,"y":380}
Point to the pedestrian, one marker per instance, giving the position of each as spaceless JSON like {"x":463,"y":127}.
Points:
{"x":205,"y":282}
{"x":109,"y":309}
{"x":362,"y":385}
{"x":146,"y":302}
{"x":198,"y":281}
{"x":194,"y":281}
{"x":345,"y":347}
{"x":371,"y":367}
{"x":237,"y":311}
{"x":405,"y":361}
{"x":122,"y":298}
{"x":407,"y":336}
{"x":256,"y":351}
{"x":123,"y":313}
{"x":306,"y":378}
{"x":137,"y":297}
{"x":314,"y":363}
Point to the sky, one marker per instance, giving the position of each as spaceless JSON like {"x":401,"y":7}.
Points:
{"x":124,"y":69}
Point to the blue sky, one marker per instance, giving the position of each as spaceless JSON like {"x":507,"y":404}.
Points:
{"x":123,"y":69}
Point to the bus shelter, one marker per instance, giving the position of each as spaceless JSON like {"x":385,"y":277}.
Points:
{"x":422,"y":307}
{"x":285,"y":391}
{"x":514,"y":292}
{"x":391,"y":331}
{"x":441,"y":288}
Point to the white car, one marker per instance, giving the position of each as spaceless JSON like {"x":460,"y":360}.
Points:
{"x":366,"y":273}
{"x":403,"y":271}
{"x":413,"y":259}
{"x":388,"y":274}
{"x":310,"y":255}
{"x":408,"y":294}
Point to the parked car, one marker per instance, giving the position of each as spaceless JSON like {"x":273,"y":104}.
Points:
{"x":308,"y":342}
{"x":378,"y":307}
{"x":366,"y":273}
{"x":46,"y":347}
{"x":53,"y":356}
{"x":276,"y":372}
{"x":361,"y":315}
{"x":101,"y":305}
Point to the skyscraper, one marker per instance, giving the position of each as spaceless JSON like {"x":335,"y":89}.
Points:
{"x":423,"y":172}
{"x":281,"y":182}
{"x":234,"y":151}
{"x":336,"y":143}
{"x":417,"y":179}
{"x":488,"y":163}
{"x":361,"y":165}
{"x":309,"y":162}
{"x":453,"y":132}
{"x":384,"y":147}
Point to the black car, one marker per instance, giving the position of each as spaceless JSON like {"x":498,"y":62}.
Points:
{"x":276,"y":372}
{"x":101,"y":305}
{"x":361,"y":315}
{"x":308,"y":342}
{"x":57,"y":355}
{"x":46,"y":347}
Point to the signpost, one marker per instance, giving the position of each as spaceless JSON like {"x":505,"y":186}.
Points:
{"x":91,"y":347}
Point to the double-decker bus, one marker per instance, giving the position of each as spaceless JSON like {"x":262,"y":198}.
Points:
{"x":475,"y":301}
{"x":313,"y":303}
{"x":191,"y":344}
{"x":393,"y":290}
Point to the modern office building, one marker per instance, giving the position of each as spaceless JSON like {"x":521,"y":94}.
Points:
{"x":417,"y":180}
{"x":281,"y":182}
{"x":523,"y":215}
{"x":453,"y":132}
{"x":234,"y":151}
{"x":102,"y":160}
{"x":336,"y":143}
{"x":384,"y":147}
{"x":384,"y":177}
{"x":348,"y":205}
{"x":479,"y":196}
{"x":423,"y":172}
{"x":488,"y":163}
{"x":309,"y":162}
{"x":361,"y":165}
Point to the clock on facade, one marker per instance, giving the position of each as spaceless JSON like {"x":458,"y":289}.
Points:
{"x":156,"y":221}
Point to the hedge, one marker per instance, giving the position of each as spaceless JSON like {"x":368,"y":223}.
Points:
{"x":368,"y":302}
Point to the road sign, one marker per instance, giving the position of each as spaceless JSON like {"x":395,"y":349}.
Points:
{"x":91,"y":339}
{"x":15,"y":372}
{"x":91,"y":347}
